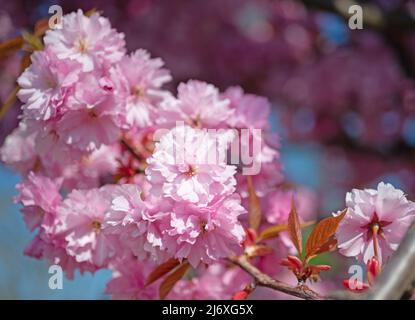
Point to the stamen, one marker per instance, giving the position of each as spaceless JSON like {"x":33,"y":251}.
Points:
{"x":375,"y":231}
{"x":96,"y":226}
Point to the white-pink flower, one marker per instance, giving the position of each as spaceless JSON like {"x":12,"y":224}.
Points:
{"x":190,"y":164}
{"x":18,"y":150}
{"x":205,"y":234}
{"x":52,"y":248}
{"x":46,"y":84}
{"x":40,"y":198}
{"x":251,"y":111}
{"x":82,"y":217}
{"x":93,"y":119}
{"x":136,"y":222}
{"x":375,"y":223}
{"x":198,"y":104}
{"x":138,"y":80}
{"x":89,"y":40}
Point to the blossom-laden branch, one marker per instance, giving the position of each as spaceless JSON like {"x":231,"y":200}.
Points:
{"x":263,"y":280}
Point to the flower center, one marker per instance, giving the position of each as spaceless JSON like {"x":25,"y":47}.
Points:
{"x":203,"y":224}
{"x":192,"y":171}
{"x":51,"y":83}
{"x":138,"y":91}
{"x":96,"y":226}
{"x":82,"y":45}
{"x":92,"y":113}
{"x":195,"y":122}
{"x":54,"y":135}
{"x":375,"y":227}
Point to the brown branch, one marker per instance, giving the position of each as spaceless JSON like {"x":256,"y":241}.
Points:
{"x":131,"y":149}
{"x":264,"y":280}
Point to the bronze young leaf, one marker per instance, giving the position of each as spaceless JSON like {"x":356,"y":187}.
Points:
{"x":273,"y":231}
{"x":161,"y":270}
{"x":171,"y":279}
{"x":294,"y":228}
{"x":255,"y":214}
{"x":321,"y":237}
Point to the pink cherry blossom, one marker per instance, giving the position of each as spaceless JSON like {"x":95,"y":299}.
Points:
{"x":205,"y":234}
{"x":135,"y":222}
{"x":52,"y":248}
{"x":190,"y":164}
{"x":93,"y":118}
{"x":277,"y":205}
{"x":138,"y":80}
{"x":46,"y":84}
{"x":40,"y":198}
{"x":251,"y":111}
{"x":375,"y":223}
{"x":18,"y":150}
{"x":198,"y":104}
{"x":82,"y":217}
{"x":89,"y":40}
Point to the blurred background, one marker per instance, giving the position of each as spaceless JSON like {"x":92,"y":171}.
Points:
{"x":343,"y":100}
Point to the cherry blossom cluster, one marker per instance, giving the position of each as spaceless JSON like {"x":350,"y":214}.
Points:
{"x":120,"y":173}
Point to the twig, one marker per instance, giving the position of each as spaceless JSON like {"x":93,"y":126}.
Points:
{"x":131,"y":149}
{"x":266,"y":281}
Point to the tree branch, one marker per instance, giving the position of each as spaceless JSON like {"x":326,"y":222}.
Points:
{"x":264,"y":280}
{"x":131,"y":149}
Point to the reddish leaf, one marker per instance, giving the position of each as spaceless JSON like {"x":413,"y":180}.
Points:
{"x":273,"y":231}
{"x":316,"y":269}
{"x":255,"y":214}
{"x":322,"y":234}
{"x":41,"y":27}
{"x":9,"y":47}
{"x":161,"y":270}
{"x":293,"y":263}
{"x":329,"y":245}
{"x":9,"y":102}
{"x":294,"y":228}
{"x":25,"y":61}
{"x":171,"y":279}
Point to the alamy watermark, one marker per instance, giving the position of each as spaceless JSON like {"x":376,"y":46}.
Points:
{"x":356,"y":18}
{"x":56,"y":278}
{"x":55,"y":21}
{"x":240,"y":147}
